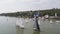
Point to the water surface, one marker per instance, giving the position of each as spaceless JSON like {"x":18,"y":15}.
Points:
{"x":8,"y":26}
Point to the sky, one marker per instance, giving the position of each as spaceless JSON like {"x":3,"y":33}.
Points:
{"x":7,"y":6}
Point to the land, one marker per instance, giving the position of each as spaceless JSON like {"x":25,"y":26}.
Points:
{"x":50,"y":12}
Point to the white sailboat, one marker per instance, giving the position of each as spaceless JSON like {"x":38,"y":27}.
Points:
{"x":51,"y":21}
{"x":34,"y":25}
{"x":20,"y":23}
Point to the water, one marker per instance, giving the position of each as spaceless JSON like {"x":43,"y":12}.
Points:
{"x":8,"y":26}
{"x":50,"y":28}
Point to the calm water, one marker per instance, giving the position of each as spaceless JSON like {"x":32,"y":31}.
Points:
{"x":8,"y":26}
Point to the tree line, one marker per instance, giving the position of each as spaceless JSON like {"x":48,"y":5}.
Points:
{"x":50,"y":12}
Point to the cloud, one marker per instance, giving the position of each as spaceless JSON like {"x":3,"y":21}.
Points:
{"x":37,"y":4}
{"x":32,"y":4}
{"x":7,"y":6}
{"x":28,"y":0}
{"x":7,"y":1}
{"x":21,"y":5}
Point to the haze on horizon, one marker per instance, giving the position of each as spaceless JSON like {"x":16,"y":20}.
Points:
{"x":25,"y":5}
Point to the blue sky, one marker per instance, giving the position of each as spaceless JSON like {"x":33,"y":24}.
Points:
{"x":22,"y":5}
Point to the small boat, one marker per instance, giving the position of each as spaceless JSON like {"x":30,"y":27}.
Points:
{"x":36,"y":25}
{"x":57,"y":21}
{"x":27,"y":20}
{"x":20,"y":23}
{"x":51,"y":21}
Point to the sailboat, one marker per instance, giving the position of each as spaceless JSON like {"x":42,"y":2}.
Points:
{"x":36,"y":25}
{"x":20,"y":23}
{"x":51,"y":21}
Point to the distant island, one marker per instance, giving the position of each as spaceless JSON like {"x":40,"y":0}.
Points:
{"x":50,"y":12}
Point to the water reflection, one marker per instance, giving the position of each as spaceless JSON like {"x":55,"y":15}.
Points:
{"x":19,"y":30}
{"x":36,"y":32}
